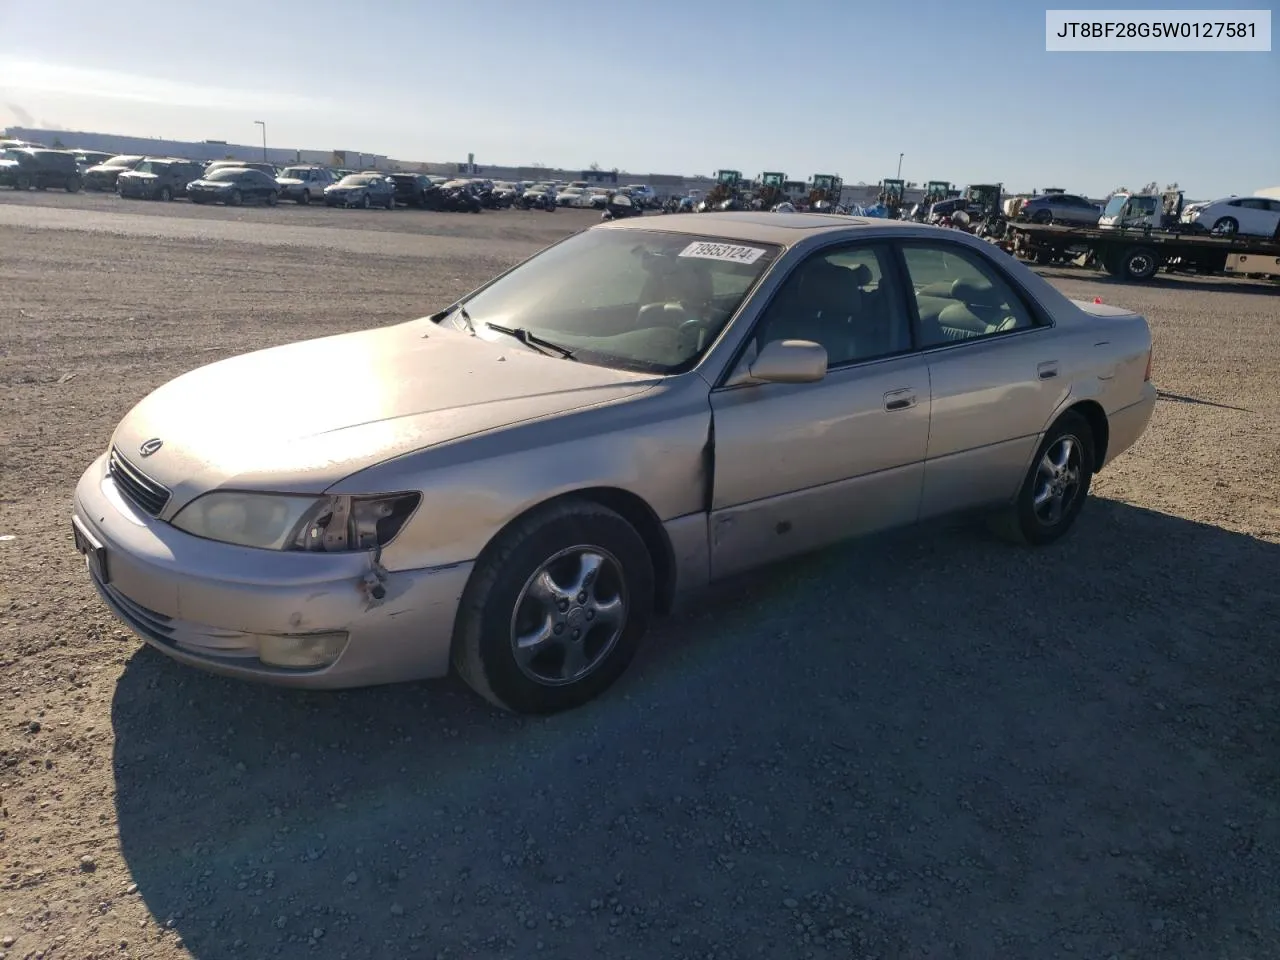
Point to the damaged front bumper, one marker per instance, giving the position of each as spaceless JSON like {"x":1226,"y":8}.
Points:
{"x":246,"y":612}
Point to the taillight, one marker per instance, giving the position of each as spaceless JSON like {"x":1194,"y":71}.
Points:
{"x":1146,"y":377}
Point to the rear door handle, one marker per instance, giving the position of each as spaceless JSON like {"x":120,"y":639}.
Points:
{"x":1047,"y":370}
{"x":900,"y":399}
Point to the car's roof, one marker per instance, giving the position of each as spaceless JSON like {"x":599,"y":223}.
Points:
{"x":780,"y":228}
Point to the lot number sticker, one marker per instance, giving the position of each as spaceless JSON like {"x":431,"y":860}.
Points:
{"x":722,"y":251}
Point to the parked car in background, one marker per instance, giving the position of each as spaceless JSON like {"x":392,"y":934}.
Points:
{"x":158,"y":178}
{"x":85,"y":159}
{"x":234,"y":186}
{"x":1250,"y":216}
{"x":104,"y":175}
{"x":26,"y":167}
{"x":267,"y":168}
{"x":362,"y":190}
{"x":572,"y":197}
{"x":642,"y":195}
{"x":1060,"y":208}
{"x":305,"y":183}
{"x":506,"y":192}
{"x":412,"y":189}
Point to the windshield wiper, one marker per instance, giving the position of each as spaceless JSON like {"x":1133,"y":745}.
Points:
{"x":532,"y":340}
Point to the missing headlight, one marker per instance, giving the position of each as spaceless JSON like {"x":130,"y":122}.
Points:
{"x":354,"y":523}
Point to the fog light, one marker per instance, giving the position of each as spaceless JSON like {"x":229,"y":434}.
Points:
{"x":301,"y":649}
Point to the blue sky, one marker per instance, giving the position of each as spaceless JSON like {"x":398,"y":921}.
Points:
{"x":964,"y":89}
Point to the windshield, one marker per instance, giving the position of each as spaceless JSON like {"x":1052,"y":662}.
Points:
{"x":359,"y":180}
{"x":225,"y":173}
{"x":1115,"y":205}
{"x":151,"y":166}
{"x":571,"y":191}
{"x":640,"y":300}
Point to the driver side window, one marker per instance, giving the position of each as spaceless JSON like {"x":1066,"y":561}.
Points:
{"x":843,"y":300}
{"x":960,"y":298}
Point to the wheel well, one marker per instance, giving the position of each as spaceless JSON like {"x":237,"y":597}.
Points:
{"x":640,"y":515}
{"x":1092,"y":411}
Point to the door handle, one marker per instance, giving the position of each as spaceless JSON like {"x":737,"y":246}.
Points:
{"x":1047,"y":370}
{"x":900,"y":399}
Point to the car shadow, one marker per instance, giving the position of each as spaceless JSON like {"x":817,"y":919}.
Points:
{"x":1196,"y":401}
{"x":918,"y":744}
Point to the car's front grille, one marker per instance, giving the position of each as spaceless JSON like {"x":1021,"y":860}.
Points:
{"x":145,"y":493}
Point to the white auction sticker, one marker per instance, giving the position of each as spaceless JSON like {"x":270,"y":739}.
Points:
{"x":705,"y":250}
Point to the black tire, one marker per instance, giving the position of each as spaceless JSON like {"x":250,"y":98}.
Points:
{"x":391,"y":203}
{"x":166,"y":194}
{"x":1138,"y":263}
{"x":1227,"y":225}
{"x":22,"y":182}
{"x":364,"y":202}
{"x":234,"y":198}
{"x":73,"y":185}
{"x":272,"y":199}
{"x":483,"y":644}
{"x":304,"y":198}
{"x":1022,"y":522}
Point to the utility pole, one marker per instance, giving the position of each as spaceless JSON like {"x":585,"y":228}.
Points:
{"x":900,"y":156}
{"x":263,"y":125}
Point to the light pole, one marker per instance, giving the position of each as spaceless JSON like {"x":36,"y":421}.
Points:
{"x":263,"y":125}
{"x":900,"y":156}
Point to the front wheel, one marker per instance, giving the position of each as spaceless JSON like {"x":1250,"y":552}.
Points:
{"x":1054,"y":490}
{"x":166,"y":194}
{"x":391,"y":203}
{"x":73,"y":184}
{"x":234,"y":199}
{"x":1227,"y":225}
{"x":305,"y":197}
{"x":272,"y":199}
{"x":555,"y":609}
{"x":364,"y":202}
{"x":1139,"y":263}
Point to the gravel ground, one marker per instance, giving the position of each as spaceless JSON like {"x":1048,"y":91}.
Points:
{"x":922,"y":745}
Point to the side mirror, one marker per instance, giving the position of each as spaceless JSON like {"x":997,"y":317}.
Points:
{"x":790,"y":361}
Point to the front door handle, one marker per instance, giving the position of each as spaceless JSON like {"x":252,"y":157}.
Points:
{"x":1047,"y":370}
{"x":900,"y":399}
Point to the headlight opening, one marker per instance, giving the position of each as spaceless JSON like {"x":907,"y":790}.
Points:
{"x":342,"y":523}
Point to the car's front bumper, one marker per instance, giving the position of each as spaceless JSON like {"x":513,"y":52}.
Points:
{"x":208,"y":604}
{"x":148,"y":190}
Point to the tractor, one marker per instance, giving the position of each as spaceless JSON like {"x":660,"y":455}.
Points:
{"x":891,"y":196}
{"x":726,"y":194}
{"x":936,"y":190}
{"x":982,"y":200}
{"x":770,"y":192}
{"x":824,"y":192}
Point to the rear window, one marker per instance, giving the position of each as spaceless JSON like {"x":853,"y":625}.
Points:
{"x":227,"y":173}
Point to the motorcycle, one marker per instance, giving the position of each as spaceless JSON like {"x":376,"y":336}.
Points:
{"x":461,"y":200}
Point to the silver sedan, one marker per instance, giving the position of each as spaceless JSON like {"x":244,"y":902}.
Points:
{"x":515,"y":485}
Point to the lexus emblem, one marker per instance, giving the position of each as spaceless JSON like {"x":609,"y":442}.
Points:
{"x":151,"y":446}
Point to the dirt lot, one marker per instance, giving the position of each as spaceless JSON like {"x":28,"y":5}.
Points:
{"x":924,"y":745}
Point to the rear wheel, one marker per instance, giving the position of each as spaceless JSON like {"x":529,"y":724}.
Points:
{"x":166,"y":194}
{"x":272,"y":199}
{"x":1138,"y":263}
{"x":391,"y":202}
{"x":555,"y":609}
{"x":305,"y":198}
{"x":234,"y":199}
{"x":1227,"y":225}
{"x":1054,"y":490}
{"x":73,"y":185}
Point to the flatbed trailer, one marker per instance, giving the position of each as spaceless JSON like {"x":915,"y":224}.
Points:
{"x":1137,"y":253}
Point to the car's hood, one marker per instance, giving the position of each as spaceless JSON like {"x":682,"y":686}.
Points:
{"x":104,"y":168}
{"x":344,"y":187}
{"x":212,"y":184}
{"x":303,"y":416}
{"x":137,"y":175}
